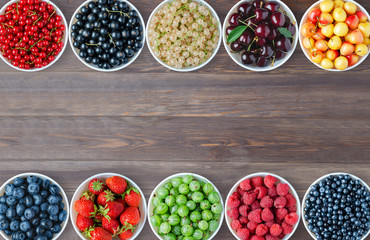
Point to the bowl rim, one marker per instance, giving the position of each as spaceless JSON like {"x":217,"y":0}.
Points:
{"x":92,"y":66}
{"x":214,"y":13}
{"x":106,"y":175}
{"x":305,"y":51}
{"x":39,"y":175}
{"x":316,"y":182}
{"x":199,"y":177}
{"x":264,"y":174}
{"x":278,"y":63}
{"x":65,"y":40}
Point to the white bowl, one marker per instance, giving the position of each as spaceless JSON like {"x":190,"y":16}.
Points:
{"x":93,"y":66}
{"x":214,"y":14}
{"x":52,"y":181}
{"x":264,"y":174}
{"x":65,"y":40}
{"x":252,"y":67}
{"x":317,"y":182}
{"x":307,"y":51}
{"x":161,"y":184}
{"x":103,"y":176}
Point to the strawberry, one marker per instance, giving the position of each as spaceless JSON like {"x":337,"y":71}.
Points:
{"x":99,"y":233}
{"x":130,"y":217}
{"x":125,"y":234}
{"x":133,"y":197}
{"x":96,"y":186}
{"x":84,"y":223}
{"x":121,"y":200}
{"x":117,"y":184}
{"x":104,"y":197}
{"x":85,"y":207}
{"x":87,"y":195}
{"x":99,"y":217}
{"x":111,"y":210}
{"x":111,"y":225}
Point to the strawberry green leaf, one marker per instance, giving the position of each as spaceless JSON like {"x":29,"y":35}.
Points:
{"x":236,"y":33}
{"x":285,"y":32}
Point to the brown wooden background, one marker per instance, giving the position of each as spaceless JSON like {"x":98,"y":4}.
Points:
{"x":223,"y":122}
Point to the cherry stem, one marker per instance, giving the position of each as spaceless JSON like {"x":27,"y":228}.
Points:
{"x":249,"y":48}
{"x":250,"y":17}
{"x":122,"y":13}
{"x":246,"y":24}
{"x":51,"y":16}
{"x":37,"y":20}
{"x":36,"y":43}
{"x":274,"y":58}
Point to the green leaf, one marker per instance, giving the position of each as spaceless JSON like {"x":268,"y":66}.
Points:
{"x":285,"y":32}
{"x":236,"y":33}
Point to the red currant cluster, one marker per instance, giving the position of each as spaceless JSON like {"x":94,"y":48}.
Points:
{"x":31,"y":34}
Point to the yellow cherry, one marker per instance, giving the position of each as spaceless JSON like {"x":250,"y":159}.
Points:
{"x":335,"y":43}
{"x":326,"y":63}
{"x":341,"y":63}
{"x":338,"y":3}
{"x":361,"y":49}
{"x":341,"y":29}
{"x":339,"y":14}
{"x":350,"y":8}
{"x":365,"y":29}
{"x":326,"y":6}
{"x":328,"y":30}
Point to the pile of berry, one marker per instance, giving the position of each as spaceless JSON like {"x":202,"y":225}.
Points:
{"x":31,"y":208}
{"x":107,"y":33}
{"x":261,"y":32}
{"x":31,"y":34}
{"x":108,"y":209}
{"x":338,"y":207}
{"x":186,"y":208}
{"x":262,"y":209}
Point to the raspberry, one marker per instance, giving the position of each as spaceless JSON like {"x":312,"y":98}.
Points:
{"x":280,"y":202}
{"x":267,"y":215}
{"x":249,"y":198}
{"x":240,"y":191}
{"x":281,"y":213}
{"x":269,"y":223}
{"x":270,"y":237}
{"x":255,"y":237}
{"x":235,"y":195}
{"x":267,"y":202}
{"x":243,"y":233}
{"x":233,"y":202}
{"x":261,"y":191}
{"x":282,"y":189}
{"x":233,"y":213}
{"x":252,"y":226}
{"x":287,"y":228}
{"x":243,"y":220}
{"x":246,"y":185}
{"x":291,"y":218}
{"x":276,"y":230}
{"x":243,"y":210}
{"x":290,"y":200}
{"x":257,"y":181}
{"x":270,"y":181}
{"x":272,"y":191}
{"x":255,"y":216}
{"x":261,"y":230}
{"x":235,"y":224}
{"x":292,"y":209}
{"x":255,"y":205}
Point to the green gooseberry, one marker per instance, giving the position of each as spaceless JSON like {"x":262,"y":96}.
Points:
{"x":155,"y":220}
{"x":217,"y":208}
{"x":176,"y":182}
{"x":184,"y":189}
{"x":205,"y":204}
{"x":174,"y":219}
{"x":164,"y":228}
{"x":183,"y":211}
{"x":176,"y":230}
{"x":198,"y":234}
{"x":214,"y":197}
{"x":187,"y":179}
{"x":203,"y":225}
{"x":197,"y":197}
{"x":207,"y":215}
{"x":170,"y":201}
{"x":181,"y":200}
{"x":191,"y":205}
{"x":213,"y":225}
{"x":187,"y":230}
{"x":207,"y":188}
{"x":194,"y":186}
{"x":163,"y":192}
{"x":195,"y":216}
{"x":162,"y":208}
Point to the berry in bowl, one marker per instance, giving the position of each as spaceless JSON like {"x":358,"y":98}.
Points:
{"x":262,"y":205}
{"x":32,"y":34}
{"x":336,"y":206}
{"x":109,"y":205}
{"x":260,"y":35}
{"x":184,"y":35}
{"x":334,"y":35}
{"x":32,"y":206}
{"x":107,"y":35}
{"x":185,"y":206}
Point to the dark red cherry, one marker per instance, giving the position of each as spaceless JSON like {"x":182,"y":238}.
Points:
{"x":263,"y":62}
{"x":278,"y":19}
{"x":291,"y":29}
{"x":279,"y":55}
{"x":234,"y":19}
{"x":267,"y":51}
{"x":229,"y":29}
{"x":258,"y":3}
{"x":273,"y":34}
{"x":252,"y":22}
{"x":287,"y":21}
{"x":245,"y":9}
{"x":272,"y":6}
{"x":246,"y":38}
{"x":283,"y":44}
{"x":261,"y":42}
{"x":236,"y":47}
{"x":248,"y":58}
{"x":262,"y":14}
{"x":263,"y":30}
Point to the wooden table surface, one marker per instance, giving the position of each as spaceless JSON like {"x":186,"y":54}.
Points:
{"x":147,"y":122}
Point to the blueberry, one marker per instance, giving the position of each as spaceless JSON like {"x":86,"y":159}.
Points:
{"x":18,"y":181}
{"x":33,"y":188}
{"x":36,"y":209}
{"x":2,"y":216}
{"x":56,"y":228}
{"x":54,"y":218}
{"x":32,"y":179}
{"x":29,"y":213}
{"x":11,"y":201}
{"x":19,"y":193}
{"x":14,"y":225}
{"x":46,"y":223}
{"x":30,"y":233}
{"x":20,"y":208}
{"x":40,"y":230}
{"x":53,"y":209}
{"x":25,"y":226}
{"x":54,"y":189}
{"x":62,"y":216}
{"x":44,"y":207}
{"x":9,"y":188}
{"x":40,"y":237}
{"x":4,"y":224}
{"x":35,"y":222}
{"x":3,"y":199}
{"x":45,"y":184}
{"x":53,"y":199}
{"x":3,"y":208}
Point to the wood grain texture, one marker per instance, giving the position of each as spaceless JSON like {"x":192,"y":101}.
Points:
{"x":147,"y":122}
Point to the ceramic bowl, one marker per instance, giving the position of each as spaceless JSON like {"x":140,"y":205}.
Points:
{"x":236,"y":56}
{"x":214,"y":14}
{"x":280,"y":180}
{"x":316,"y":182}
{"x":65,"y":39}
{"x":52,"y":181}
{"x":103,"y":176}
{"x":93,"y":66}
{"x":307,"y":51}
{"x":161,"y":184}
